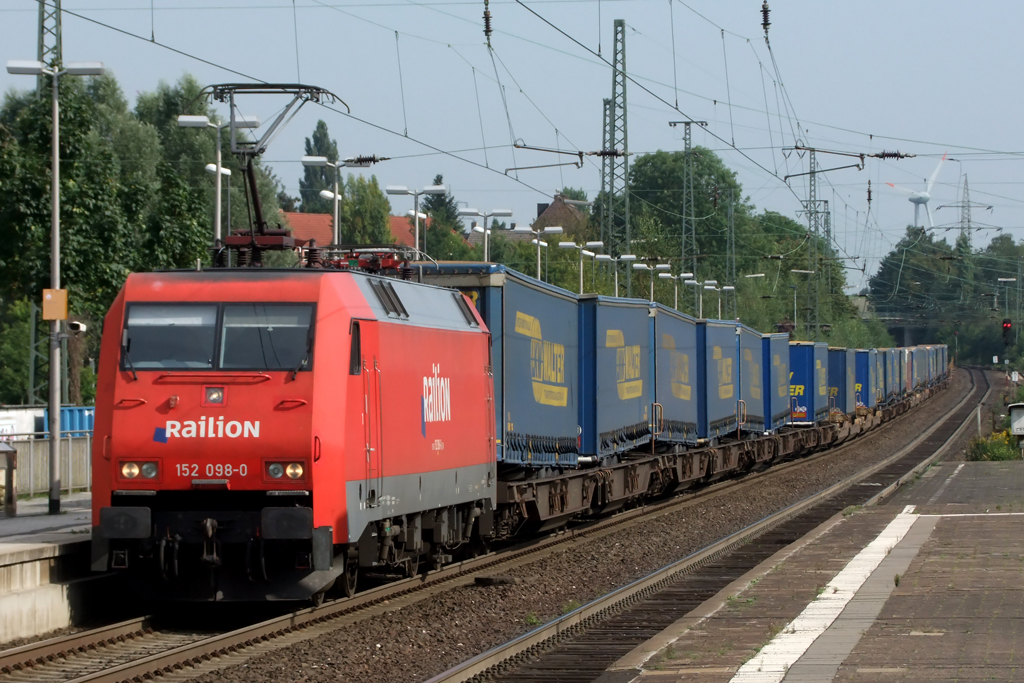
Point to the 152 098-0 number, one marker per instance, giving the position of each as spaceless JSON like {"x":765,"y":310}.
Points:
{"x":211,"y":470}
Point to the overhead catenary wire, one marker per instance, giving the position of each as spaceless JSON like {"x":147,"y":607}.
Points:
{"x":480,"y":115}
{"x":401,"y":85}
{"x":295,"y":28}
{"x":728,"y":90}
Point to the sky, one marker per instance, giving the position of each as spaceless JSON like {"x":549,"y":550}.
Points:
{"x":922,"y":77}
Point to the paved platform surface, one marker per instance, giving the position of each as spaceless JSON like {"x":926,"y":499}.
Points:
{"x":34,"y":533}
{"x":926,"y":587}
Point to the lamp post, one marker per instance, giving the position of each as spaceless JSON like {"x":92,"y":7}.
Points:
{"x":675,"y":284}
{"x":428,"y":190}
{"x":729,"y":288}
{"x":188,"y":121}
{"x":34,"y":68}
{"x":700,"y":298}
{"x":653,"y":270}
{"x":794,"y":307}
{"x":503,"y":213}
{"x":224,"y":173}
{"x":752,"y":276}
{"x":615,"y":264}
{"x":335,"y":196}
{"x":583,"y":252}
{"x":550,"y":230}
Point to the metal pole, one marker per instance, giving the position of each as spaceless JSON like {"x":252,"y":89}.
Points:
{"x":537,"y":235}
{"x":794,"y":308}
{"x":701,"y":296}
{"x":337,"y":227}
{"x":581,"y":269}
{"x":216,"y":186}
{"x":652,"y":285}
{"x":676,"y":300}
{"x":416,"y":215}
{"x":54,"y":421}
{"x":615,"y":265}
{"x":719,"y":292}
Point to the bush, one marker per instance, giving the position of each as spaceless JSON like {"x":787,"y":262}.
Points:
{"x":999,"y":446}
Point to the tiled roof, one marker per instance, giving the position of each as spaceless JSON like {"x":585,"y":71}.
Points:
{"x":307,"y":226}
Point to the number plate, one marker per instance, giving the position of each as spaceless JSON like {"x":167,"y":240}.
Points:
{"x":211,"y":470}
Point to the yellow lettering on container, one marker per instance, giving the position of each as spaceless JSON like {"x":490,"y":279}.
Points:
{"x":547,"y":363}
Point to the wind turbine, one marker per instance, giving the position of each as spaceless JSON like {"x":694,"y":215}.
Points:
{"x":920,"y":199}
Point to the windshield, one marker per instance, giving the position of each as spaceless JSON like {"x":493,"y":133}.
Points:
{"x":251,"y":336}
{"x":171,"y":336}
{"x":265,"y":336}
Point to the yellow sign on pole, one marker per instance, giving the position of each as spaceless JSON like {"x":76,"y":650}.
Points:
{"x":55,"y":304}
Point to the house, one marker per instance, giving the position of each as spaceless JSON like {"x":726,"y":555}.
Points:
{"x":310,"y":226}
{"x":558,"y":213}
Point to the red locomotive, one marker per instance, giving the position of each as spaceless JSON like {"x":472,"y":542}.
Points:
{"x":263,"y":434}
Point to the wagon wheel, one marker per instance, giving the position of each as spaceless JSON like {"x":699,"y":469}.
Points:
{"x":437,"y":560}
{"x":317,"y":599}
{"x":350,"y":577}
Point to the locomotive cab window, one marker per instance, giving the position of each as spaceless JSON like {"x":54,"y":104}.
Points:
{"x":266,"y":337}
{"x":165,"y":337}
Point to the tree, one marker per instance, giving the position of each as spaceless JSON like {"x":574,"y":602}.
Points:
{"x":316,"y":178}
{"x":443,"y":238}
{"x":365,"y":212}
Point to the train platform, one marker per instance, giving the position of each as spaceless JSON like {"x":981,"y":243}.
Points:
{"x":44,"y":566}
{"x":927,"y":586}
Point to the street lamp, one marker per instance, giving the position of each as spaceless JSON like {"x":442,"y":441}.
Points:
{"x":551,"y":230}
{"x":719,"y":291}
{"x":611,"y":259}
{"x":729,"y":288}
{"x":503,"y":213}
{"x":700,"y":296}
{"x":428,"y":190}
{"x":675,"y":284}
{"x":583,"y":252}
{"x":653,"y":270}
{"x":35,"y":68}
{"x":189,"y":121}
{"x":225,"y":173}
{"x":322,"y":162}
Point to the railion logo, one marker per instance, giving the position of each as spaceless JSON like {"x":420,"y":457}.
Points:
{"x":207,"y":428}
{"x":436,"y":405}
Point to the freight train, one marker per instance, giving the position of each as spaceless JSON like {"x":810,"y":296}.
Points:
{"x":270,"y":434}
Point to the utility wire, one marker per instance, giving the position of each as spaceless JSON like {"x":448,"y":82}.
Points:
{"x":401,"y":85}
{"x":295,"y":26}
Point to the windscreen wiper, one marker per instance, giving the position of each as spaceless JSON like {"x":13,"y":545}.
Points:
{"x":125,"y":343}
{"x":305,"y":356}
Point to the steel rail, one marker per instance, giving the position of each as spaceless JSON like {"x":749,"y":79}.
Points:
{"x":205,"y":648}
{"x":505,"y":657}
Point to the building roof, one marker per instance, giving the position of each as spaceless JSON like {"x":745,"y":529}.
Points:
{"x":558,"y":213}
{"x":307,"y":226}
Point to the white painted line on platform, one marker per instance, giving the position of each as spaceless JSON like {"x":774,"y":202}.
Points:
{"x":771,"y":664}
{"x":935,"y":496}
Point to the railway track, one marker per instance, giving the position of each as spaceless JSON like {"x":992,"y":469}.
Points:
{"x":138,"y":649}
{"x":581,"y":645}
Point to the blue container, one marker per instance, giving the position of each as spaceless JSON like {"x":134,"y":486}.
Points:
{"x":837,"y":389}
{"x":775,"y":370}
{"x":716,"y":375}
{"x":880,"y":391}
{"x":74,"y":420}
{"x":892,"y":374}
{"x":864,"y":388}
{"x":808,"y":364}
{"x":751,"y":379}
{"x":534,"y":352}
{"x":615,"y":374}
{"x":919,"y":367}
{"x":675,"y":376}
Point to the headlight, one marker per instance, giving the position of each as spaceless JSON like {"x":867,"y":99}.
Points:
{"x":149,"y":470}
{"x":129,"y":470}
{"x":214,"y":396}
{"x":275,"y":470}
{"x":294,"y":470}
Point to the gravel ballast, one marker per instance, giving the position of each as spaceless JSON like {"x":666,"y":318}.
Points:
{"x":428,"y":637}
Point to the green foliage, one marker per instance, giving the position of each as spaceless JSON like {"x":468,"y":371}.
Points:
{"x":316,"y":178}
{"x":999,"y":446}
{"x":443,"y":239}
{"x":15,"y":336}
{"x":364,"y":213}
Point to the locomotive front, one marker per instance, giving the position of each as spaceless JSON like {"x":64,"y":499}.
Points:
{"x":203,"y":453}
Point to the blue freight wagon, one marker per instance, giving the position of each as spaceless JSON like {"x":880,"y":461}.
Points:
{"x":892,"y":374}
{"x":864,"y":388}
{"x":716,"y":375}
{"x":918,"y":367}
{"x":808,"y":384}
{"x":879,"y":392}
{"x":534,"y":349}
{"x":615,"y":373}
{"x":675,"y":376}
{"x":775,"y":369}
{"x":751,"y":379}
{"x":841,"y":380}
